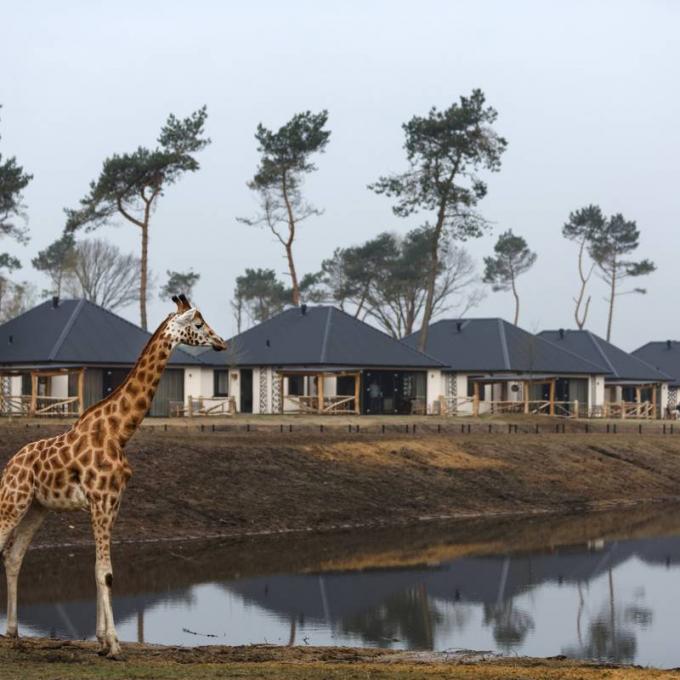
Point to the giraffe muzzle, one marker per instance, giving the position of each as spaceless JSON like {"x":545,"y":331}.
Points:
{"x":219,"y":345}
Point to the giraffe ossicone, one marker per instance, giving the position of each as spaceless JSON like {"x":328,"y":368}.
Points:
{"x":85,"y":468}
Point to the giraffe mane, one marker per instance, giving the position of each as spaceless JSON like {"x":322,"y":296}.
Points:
{"x":115,"y":392}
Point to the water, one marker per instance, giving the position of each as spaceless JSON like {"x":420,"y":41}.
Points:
{"x":604,"y":587}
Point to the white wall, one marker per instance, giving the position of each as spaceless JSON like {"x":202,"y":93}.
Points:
{"x":59,"y":386}
{"x":435,"y":389}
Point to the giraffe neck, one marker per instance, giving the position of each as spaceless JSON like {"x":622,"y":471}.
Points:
{"x":129,"y":403}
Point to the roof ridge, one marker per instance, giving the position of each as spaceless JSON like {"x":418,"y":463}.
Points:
{"x":504,"y":344}
{"x":568,"y":351}
{"x":387,"y":335}
{"x":601,"y":352}
{"x":326,"y":332}
{"x":66,"y":330}
{"x":654,"y":368}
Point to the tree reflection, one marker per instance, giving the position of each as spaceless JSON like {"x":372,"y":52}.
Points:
{"x":510,"y":625}
{"x":406,"y":616}
{"x":610,"y":634}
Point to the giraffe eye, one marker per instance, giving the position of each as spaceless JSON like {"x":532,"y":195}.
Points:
{"x":199,"y":326}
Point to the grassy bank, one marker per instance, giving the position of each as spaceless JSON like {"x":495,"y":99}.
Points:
{"x":40,"y":659}
{"x":193,"y":484}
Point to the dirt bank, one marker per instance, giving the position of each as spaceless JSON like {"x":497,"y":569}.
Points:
{"x":202,"y":484}
{"x":39,"y":659}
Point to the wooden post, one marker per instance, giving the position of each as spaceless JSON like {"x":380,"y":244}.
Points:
{"x":638,"y":400}
{"x":552,"y":397}
{"x":575,"y":414}
{"x":475,"y":399}
{"x":190,"y":407}
{"x":81,"y":391}
{"x":34,"y":393}
{"x":357,"y":391}
{"x":654,"y":388}
{"x":525,"y":389}
{"x":319,"y":391}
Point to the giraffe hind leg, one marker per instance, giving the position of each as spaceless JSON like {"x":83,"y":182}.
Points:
{"x":14,"y":552}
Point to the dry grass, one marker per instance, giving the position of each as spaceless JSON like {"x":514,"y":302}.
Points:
{"x":48,"y":659}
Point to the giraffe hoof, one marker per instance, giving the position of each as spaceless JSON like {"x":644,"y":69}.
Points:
{"x":114,"y":651}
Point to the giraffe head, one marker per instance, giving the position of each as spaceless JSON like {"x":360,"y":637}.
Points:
{"x":188,"y":326}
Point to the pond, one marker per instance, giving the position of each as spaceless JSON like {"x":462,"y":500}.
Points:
{"x":604,"y":586}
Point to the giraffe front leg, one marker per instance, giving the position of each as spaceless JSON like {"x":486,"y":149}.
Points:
{"x":101,"y":623}
{"x":102,"y":523}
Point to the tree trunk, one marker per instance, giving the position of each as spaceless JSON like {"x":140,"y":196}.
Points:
{"x":432,"y":277}
{"x":293,"y":275}
{"x":612,"y":295}
{"x":289,"y":243}
{"x":144,"y":275}
{"x":581,"y":320}
{"x":514,"y":292}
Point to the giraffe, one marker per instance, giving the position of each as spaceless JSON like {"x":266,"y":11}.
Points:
{"x":85,"y":468}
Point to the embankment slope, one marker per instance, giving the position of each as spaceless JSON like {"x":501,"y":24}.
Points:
{"x":200,"y":484}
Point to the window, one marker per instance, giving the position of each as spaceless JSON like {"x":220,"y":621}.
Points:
{"x":296,"y":385}
{"x":345,"y":385}
{"x":221,"y":383}
{"x":44,"y":384}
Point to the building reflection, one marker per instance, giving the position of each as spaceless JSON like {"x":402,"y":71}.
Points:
{"x":416,"y":606}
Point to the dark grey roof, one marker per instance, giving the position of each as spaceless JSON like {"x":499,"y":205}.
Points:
{"x":321,"y":336}
{"x":664,"y":356}
{"x":620,"y":365}
{"x":76,"y":332}
{"x":496,"y":346}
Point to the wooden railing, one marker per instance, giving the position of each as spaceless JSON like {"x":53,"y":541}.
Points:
{"x":629,"y":409}
{"x":466,"y":406}
{"x":203,"y":406}
{"x":24,"y":405}
{"x":451,"y":406}
{"x":337,"y":405}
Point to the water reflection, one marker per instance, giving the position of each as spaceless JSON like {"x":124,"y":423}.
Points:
{"x":575,"y":586}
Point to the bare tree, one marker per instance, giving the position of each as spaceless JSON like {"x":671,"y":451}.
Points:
{"x":104,"y":275}
{"x":398,"y":296}
{"x":15,"y":298}
{"x":583,"y":225}
{"x":284,"y":163}
{"x":383,"y":279}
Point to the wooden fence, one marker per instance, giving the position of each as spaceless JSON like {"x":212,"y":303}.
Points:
{"x":466,"y":406}
{"x":25,"y":405}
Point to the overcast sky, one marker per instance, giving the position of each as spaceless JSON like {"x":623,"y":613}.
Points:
{"x":587,"y":94}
